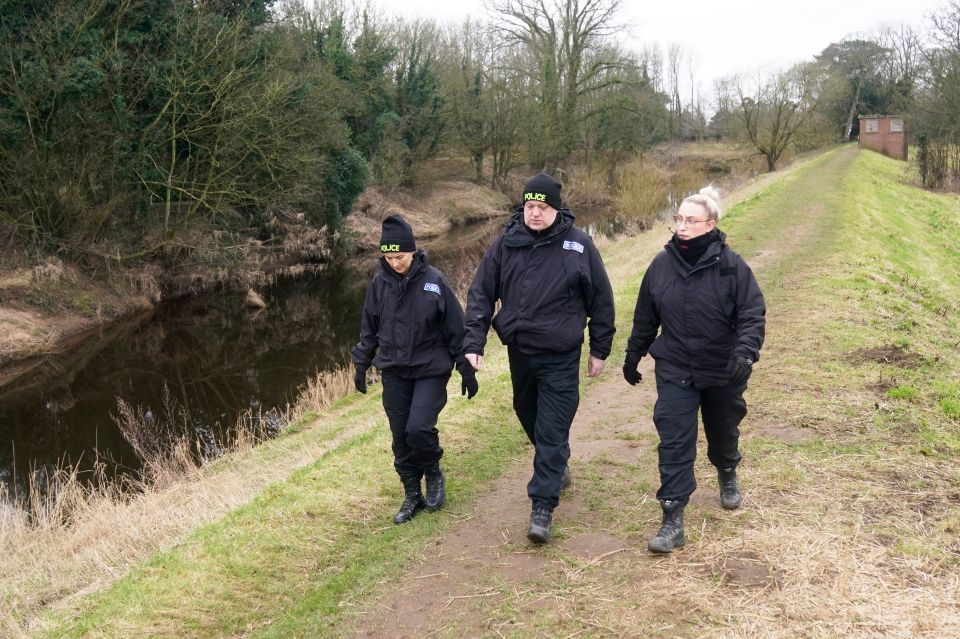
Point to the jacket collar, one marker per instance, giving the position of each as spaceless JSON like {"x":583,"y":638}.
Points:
{"x":705,"y":260}
{"x":418,"y":266}
{"x":515,"y":235}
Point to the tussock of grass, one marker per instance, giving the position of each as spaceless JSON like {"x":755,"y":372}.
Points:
{"x":587,"y":186}
{"x":643,"y":187}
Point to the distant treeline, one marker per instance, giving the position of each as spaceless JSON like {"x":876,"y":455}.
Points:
{"x":122,"y":116}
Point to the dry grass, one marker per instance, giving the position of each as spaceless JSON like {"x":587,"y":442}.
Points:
{"x":801,"y":559}
{"x":71,"y":538}
{"x":321,"y":391}
{"x":643,"y":189}
{"x":447,"y":206}
{"x":850,"y":522}
{"x":806,"y":560}
{"x":844,"y":534}
{"x":587,"y":187}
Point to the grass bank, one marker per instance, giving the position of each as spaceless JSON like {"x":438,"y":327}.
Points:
{"x":75,"y":540}
{"x":851,"y":474}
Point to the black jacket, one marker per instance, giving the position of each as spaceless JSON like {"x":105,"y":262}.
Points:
{"x":706,"y":313}
{"x":411,"y":324}
{"x":547,"y":285}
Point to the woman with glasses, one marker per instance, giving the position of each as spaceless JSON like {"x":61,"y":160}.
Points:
{"x":700,"y":315}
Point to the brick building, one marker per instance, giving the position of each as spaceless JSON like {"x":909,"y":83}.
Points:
{"x":885,"y":134}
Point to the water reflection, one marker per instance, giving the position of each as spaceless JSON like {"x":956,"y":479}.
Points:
{"x":609,"y":223}
{"x":215,"y":357}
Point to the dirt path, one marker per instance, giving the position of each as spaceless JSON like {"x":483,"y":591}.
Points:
{"x":487,"y":553}
{"x":491,"y":544}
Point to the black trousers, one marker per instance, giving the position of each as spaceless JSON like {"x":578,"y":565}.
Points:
{"x":412,"y":407}
{"x":675,"y":416}
{"x":546,"y":393}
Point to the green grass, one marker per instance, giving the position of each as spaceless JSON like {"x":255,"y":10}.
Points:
{"x":290,"y":562}
{"x":874,"y":438}
{"x":902,"y":392}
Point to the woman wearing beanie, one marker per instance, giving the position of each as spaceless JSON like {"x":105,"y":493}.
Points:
{"x":549,"y":279}
{"x":705,"y":302}
{"x":412,"y":331}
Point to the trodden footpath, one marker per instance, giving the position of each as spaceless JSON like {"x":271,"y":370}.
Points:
{"x":851,"y":475}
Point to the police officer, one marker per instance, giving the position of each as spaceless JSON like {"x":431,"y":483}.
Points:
{"x":705,"y":302}
{"x":550,"y":279}
{"x":412,"y":331}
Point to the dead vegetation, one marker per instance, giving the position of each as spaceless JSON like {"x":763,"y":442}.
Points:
{"x":833,"y":540}
{"x":432,"y":214}
{"x":849,"y":526}
{"x":893,"y":354}
{"x":70,"y":536}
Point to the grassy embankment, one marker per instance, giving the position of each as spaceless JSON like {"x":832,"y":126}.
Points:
{"x":851,"y":521}
{"x":76,"y":541}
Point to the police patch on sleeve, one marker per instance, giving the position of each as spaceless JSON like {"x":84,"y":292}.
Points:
{"x":573,"y":246}
{"x":430,"y":286}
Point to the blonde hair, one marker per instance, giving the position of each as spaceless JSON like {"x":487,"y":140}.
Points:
{"x":709,"y":198}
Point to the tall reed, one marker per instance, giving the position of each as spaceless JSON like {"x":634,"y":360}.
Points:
{"x":642,"y":190}
{"x":69,"y":536}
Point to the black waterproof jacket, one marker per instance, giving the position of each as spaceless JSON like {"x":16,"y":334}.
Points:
{"x":547,"y":285}
{"x":411,"y":324}
{"x":706,"y":313}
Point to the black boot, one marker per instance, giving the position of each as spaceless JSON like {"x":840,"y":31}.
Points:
{"x":436,"y":487}
{"x":540,"y":518}
{"x":565,"y":479}
{"x":412,"y":498}
{"x":729,"y":488}
{"x":670,"y":535}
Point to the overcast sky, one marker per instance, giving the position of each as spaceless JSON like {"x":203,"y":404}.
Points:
{"x":725,"y":36}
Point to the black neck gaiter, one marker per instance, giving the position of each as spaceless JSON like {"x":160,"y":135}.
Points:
{"x":693,"y":249}
{"x":544,"y":232}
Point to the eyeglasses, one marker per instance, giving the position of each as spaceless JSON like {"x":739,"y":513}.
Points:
{"x":687,"y":221}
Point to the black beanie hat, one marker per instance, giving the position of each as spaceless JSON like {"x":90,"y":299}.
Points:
{"x":396,"y":236}
{"x":543,"y":188}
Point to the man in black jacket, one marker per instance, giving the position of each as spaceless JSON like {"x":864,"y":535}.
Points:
{"x":705,"y":302}
{"x":550,"y":279}
{"x":412,"y":330}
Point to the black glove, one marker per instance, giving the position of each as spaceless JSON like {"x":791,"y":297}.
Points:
{"x":630,"y":372}
{"x":739,"y":369}
{"x":360,"y":379}
{"x":468,"y":381}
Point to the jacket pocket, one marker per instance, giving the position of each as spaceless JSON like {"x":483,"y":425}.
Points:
{"x":505,"y":324}
{"x":560,"y":331}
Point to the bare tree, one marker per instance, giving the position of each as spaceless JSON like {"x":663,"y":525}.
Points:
{"x":467,"y":79}
{"x":725,"y":104}
{"x":651,"y":59}
{"x":946,"y":26}
{"x":674,"y":61}
{"x":696,"y":118}
{"x":559,"y":35}
{"x":219,"y":140}
{"x":507,"y":114}
{"x":939,"y":109}
{"x":776,"y":110}
{"x":904,"y":60}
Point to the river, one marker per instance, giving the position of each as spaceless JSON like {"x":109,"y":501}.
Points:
{"x":215,"y":356}
{"x":212,"y":355}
